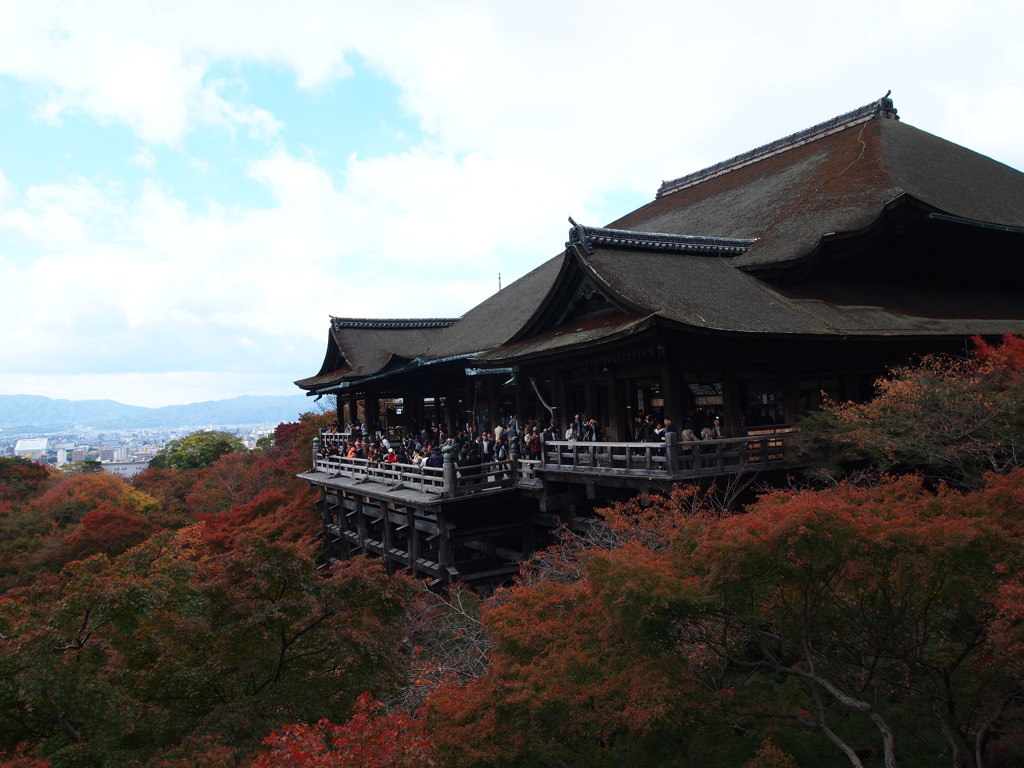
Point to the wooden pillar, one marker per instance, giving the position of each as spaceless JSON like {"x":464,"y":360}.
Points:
{"x":452,"y":413}
{"x":671,"y":453}
{"x":561,"y":415}
{"x":733,"y":406}
{"x":445,"y":550}
{"x":361,"y":527}
{"x":470,"y":417}
{"x":617,"y":412}
{"x":493,"y":403}
{"x":628,"y":388}
{"x":438,"y":424}
{"x":670,"y":394}
{"x":413,"y":538}
{"x":522,"y":383}
{"x":372,"y":409}
{"x":386,"y":537}
{"x":790,"y":396}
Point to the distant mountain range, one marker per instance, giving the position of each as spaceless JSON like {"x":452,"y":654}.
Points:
{"x":20,"y":413}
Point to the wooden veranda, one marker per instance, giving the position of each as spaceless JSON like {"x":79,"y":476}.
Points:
{"x":477,"y":524}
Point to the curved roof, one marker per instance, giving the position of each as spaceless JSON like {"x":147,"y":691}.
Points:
{"x":838,"y":182}
{"x":498,"y":318}
{"x":797,"y":237}
{"x":358,"y":347}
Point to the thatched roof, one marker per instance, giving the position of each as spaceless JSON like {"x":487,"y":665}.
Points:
{"x":360,"y":347}
{"x":805,"y":188}
{"x":861,"y":225}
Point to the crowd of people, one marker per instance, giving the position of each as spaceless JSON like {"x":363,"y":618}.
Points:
{"x":471,"y":446}
{"x":701,"y":426}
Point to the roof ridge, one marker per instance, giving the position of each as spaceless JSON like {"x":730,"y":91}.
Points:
{"x":883,"y":107}
{"x":589,"y":237}
{"x":339,"y":323}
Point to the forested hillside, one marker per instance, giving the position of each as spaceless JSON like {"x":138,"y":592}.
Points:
{"x":871,"y":614}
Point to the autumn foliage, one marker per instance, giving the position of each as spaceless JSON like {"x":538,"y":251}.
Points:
{"x":847,"y":626}
{"x":951,"y":419}
{"x":369,"y":739}
{"x":878,"y":621}
{"x":121,"y":660}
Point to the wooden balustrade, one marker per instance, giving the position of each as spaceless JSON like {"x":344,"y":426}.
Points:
{"x":432,"y":480}
{"x":684,"y":459}
{"x":669,"y":461}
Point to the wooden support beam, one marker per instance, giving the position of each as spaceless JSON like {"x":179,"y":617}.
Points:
{"x":557,"y":502}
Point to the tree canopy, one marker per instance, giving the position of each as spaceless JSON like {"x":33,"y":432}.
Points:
{"x":198,"y":450}
{"x":871,"y":621}
{"x":951,"y":419}
{"x":116,"y":661}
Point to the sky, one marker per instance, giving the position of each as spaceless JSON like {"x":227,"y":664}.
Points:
{"x":190,"y":190}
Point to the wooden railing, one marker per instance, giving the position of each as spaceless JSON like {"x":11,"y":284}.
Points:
{"x":672,"y":460}
{"x":426,"y":479}
{"x":447,"y":481}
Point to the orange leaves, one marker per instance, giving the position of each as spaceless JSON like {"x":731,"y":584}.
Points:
{"x":69,"y":501}
{"x":107,"y":529}
{"x":847,"y":611}
{"x":949,"y":418}
{"x":370,"y":739}
{"x":586,"y":660}
{"x":18,"y":760}
{"x":21,"y":479}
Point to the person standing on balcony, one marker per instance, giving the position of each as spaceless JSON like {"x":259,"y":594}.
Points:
{"x":670,"y":428}
{"x":486,"y":446}
{"x":533,"y":444}
{"x":638,"y":429}
{"x":500,"y":448}
{"x":648,"y":433}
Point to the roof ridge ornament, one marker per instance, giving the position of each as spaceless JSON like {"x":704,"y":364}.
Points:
{"x":882,"y":107}
{"x":578,"y":236}
{"x":380,"y":324}
{"x":588,"y":238}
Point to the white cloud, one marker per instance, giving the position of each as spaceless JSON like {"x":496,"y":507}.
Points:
{"x":531,"y":113}
{"x":8,"y":194}
{"x":612,"y":97}
{"x":144,"y":159}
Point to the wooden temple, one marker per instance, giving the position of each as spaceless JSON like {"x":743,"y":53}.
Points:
{"x":748,"y":290}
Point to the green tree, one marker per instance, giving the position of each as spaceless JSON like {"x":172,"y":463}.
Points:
{"x":155,"y":653}
{"x":82,"y":467}
{"x":200,"y":449}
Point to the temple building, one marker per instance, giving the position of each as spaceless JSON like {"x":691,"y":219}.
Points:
{"x":747,"y":290}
